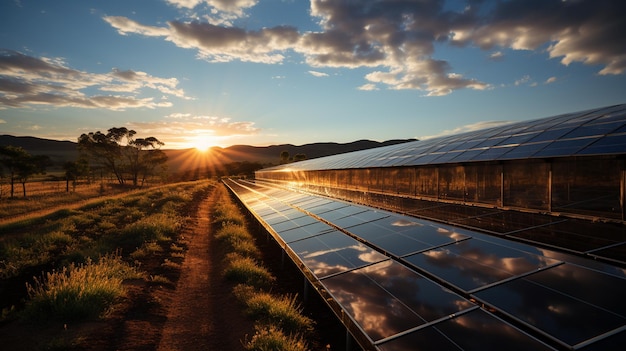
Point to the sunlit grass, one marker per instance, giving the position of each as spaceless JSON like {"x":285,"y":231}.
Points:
{"x":272,"y":338}
{"x":282,"y":311}
{"x":78,"y":291}
{"x":279,"y":322}
{"x":240,"y":269}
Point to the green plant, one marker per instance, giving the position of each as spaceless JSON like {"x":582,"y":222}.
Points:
{"x":78,"y":291}
{"x":240,"y":269}
{"x":282,"y":311}
{"x":271,"y":338}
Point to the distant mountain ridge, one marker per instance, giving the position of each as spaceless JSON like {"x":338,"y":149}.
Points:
{"x":62,"y":151}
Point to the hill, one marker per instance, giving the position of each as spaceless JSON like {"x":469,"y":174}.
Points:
{"x":189,"y":159}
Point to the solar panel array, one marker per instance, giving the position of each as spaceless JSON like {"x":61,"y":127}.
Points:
{"x":403,"y":281}
{"x":594,"y":132}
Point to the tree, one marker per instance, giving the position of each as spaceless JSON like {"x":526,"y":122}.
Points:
{"x":299,"y":157}
{"x":284,"y":157}
{"x":126,"y":157}
{"x":21,"y":165}
{"x":73,"y":170}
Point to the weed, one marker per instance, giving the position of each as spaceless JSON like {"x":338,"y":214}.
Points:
{"x":78,"y":291}
{"x":271,"y":338}
{"x":240,"y":269}
{"x":170,"y":264}
{"x":282,"y":311}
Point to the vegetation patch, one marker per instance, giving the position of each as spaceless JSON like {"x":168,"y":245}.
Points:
{"x":78,"y":291}
{"x":279,"y":322}
{"x":272,"y":338}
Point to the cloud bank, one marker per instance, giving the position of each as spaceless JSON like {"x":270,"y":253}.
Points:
{"x":27,"y":81}
{"x":397,"y":40}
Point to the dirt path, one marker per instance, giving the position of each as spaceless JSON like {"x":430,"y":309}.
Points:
{"x":202,"y":314}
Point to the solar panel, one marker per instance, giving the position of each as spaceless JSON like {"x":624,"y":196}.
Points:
{"x":399,"y":280}
{"x":557,"y":136}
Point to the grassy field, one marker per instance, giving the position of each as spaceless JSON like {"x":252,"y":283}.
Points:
{"x":69,"y":264}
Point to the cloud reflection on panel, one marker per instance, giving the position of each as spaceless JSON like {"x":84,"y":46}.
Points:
{"x":401,"y":237}
{"x":474,"y":263}
{"x":333,"y":253}
{"x":387,"y":298}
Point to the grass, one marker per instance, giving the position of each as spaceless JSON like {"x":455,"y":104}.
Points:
{"x":78,"y":291}
{"x":246,"y":270}
{"x":238,"y":239}
{"x":67,"y":244}
{"x":282,"y":311}
{"x":279,"y":322}
{"x":271,"y":338}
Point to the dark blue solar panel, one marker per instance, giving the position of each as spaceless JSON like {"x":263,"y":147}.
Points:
{"x":476,"y":330}
{"x":555,"y":313}
{"x":564,"y":147}
{"x":606,"y":145}
{"x":603,"y":290}
{"x":293,"y":223}
{"x":387,"y":298}
{"x":524,"y":151}
{"x":400,"y":235}
{"x":334,"y":252}
{"x":594,"y":129}
{"x":472,"y":264}
{"x":306,"y":231}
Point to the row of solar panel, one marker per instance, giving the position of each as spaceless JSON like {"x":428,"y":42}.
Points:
{"x":596,"y":132}
{"x":406,"y":281}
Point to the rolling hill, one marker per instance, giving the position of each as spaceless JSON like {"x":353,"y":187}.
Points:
{"x":188,"y":159}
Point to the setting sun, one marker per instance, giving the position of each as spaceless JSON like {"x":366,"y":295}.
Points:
{"x":203,"y":143}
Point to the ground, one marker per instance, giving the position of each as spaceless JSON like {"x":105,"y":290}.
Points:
{"x":198,"y":312}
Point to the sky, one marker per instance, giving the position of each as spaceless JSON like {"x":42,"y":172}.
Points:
{"x":200,"y":73}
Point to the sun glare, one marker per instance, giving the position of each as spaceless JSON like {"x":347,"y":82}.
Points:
{"x":202,"y":143}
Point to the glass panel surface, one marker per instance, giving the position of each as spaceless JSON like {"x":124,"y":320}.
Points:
{"x":403,"y":235}
{"x":473,"y":263}
{"x":283,"y":215}
{"x":564,"y":147}
{"x":607,"y":145}
{"x":323,"y":206}
{"x":387,"y":298}
{"x":305,"y":231}
{"x":559,"y":315}
{"x":294,"y":223}
{"x":340,"y":213}
{"x":334,"y":252}
{"x":477,"y":330}
{"x":603,"y":290}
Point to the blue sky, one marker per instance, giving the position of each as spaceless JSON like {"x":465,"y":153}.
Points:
{"x":263,"y":72}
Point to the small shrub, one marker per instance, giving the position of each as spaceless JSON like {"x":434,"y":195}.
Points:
{"x":240,"y":269}
{"x":147,"y":249}
{"x":282,"y":311}
{"x":170,"y":264}
{"x":78,"y":291}
{"x":161,"y":280}
{"x":270,"y":338}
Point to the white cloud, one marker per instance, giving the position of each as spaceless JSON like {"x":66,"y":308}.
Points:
{"x":576,"y":31}
{"x":496,"y":56}
{"x":31,"y":81}
{"x":232,"y":6}
{"x":368,"y":87}
{"x":550,"y":80}
{"x":397,"y":41}
{"x":2,"y":121}
{"x":318,"y":74}
{"x":525,"y":79}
